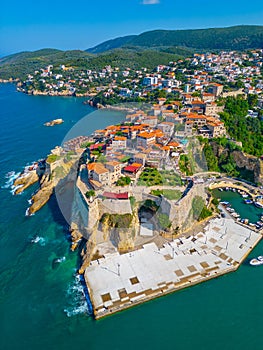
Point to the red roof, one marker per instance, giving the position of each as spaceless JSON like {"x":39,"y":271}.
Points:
{"x":131,"y":169}
{"x":111,"y":195}
{"x":96,"y":146}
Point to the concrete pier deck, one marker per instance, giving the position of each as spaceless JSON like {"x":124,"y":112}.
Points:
{"x":119,"y":281}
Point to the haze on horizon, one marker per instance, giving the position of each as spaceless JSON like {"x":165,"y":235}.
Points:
{"x":57,"y":24}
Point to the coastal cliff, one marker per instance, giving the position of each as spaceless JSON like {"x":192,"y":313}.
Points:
{"x":243,"y":162}
{"x":106,"y":225}
{"x":25,"y":180}
{"x":54,"y":173}
{"x":250,"y":163}
{"x":108,"y":232}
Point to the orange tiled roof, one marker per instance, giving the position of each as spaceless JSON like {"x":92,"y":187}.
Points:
{"x":196,"y":116}
{"x":146,"y":135}
{"x":91,"y":166}
{"x":137,"y":165}
{"x":197,"y":102}
{"x":168,"y":123}
{"x":120,"y":138}
{"x":158,"y":133}
{"x":100,"y":168}
{"x":113,"y":127}
{"x":173,"y":144}
{"x":113,"y":163}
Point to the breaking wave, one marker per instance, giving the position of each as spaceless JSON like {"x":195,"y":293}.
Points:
{"x":39,"y":240}
{"x":27,"y":212}
{"x":77,"y":301}
{"x":10,"y":177}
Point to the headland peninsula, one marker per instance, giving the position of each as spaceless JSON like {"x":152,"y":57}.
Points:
{"x":146,"y":228}
{"x":139,"y":196}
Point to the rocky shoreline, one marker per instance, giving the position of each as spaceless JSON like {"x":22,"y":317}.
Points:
{"x":51,"y":176}
{"x":52,"y":93}
{"x":10,"y":80}
{"x":56,"y":172}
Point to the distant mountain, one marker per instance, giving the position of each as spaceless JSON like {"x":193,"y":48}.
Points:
{"x":230,"y":38}
{"x":111,"y":44}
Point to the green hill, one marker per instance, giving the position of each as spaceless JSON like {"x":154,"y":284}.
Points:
{"x":21,"y":64}
{"x":124,"y":58}
{"x":230,"y":38}
{"x":24,"y":63}
{"x":111,"y":44}
{"x":145,"y":50}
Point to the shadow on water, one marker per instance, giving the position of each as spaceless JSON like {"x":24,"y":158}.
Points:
{"x":57,"y":215}
{"x":60,"y":205}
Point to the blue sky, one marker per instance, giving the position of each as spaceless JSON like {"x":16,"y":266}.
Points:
{"x":31,"y":25}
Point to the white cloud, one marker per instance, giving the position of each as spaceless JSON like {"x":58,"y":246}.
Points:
{"x":150,"y":2}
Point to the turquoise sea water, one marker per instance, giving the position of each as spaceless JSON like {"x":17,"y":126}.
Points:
{"x":41,"y":304}
{"x":248,"y":211}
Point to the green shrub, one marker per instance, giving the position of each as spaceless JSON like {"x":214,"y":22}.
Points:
{"x":90,"y":193}
{"x":123,"y":181}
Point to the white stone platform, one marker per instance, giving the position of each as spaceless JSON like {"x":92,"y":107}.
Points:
{"x":118,"y":281}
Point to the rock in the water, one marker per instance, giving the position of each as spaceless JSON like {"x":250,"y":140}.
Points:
{"x":54,"y":122}
{"x":25,"y":180}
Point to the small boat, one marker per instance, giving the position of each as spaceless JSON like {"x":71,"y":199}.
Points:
{"x":258,"y":204}
{"x":256,"y":261}
{"x":245,"y":195}
{"x":224,"y":202}
{"x":248,"y":201}
{"x":221,"y":189}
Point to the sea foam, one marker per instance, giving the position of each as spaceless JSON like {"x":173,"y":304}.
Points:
{"x":39,"y":240}
{"x":76,"y":296}
{"x":11,"y":176}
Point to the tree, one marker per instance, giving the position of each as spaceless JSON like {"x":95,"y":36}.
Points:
{"x":252,"y":100}
{"x":90,"y":194}
{"x":211,"y":159}
{"x":123,"y":181}
{"x":242,"y":128}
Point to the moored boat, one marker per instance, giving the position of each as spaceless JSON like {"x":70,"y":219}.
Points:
{"x":224,"y":202}
{"x":248,"y":201}
{"x":258,"y":204}
{"x":256,"y":261}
